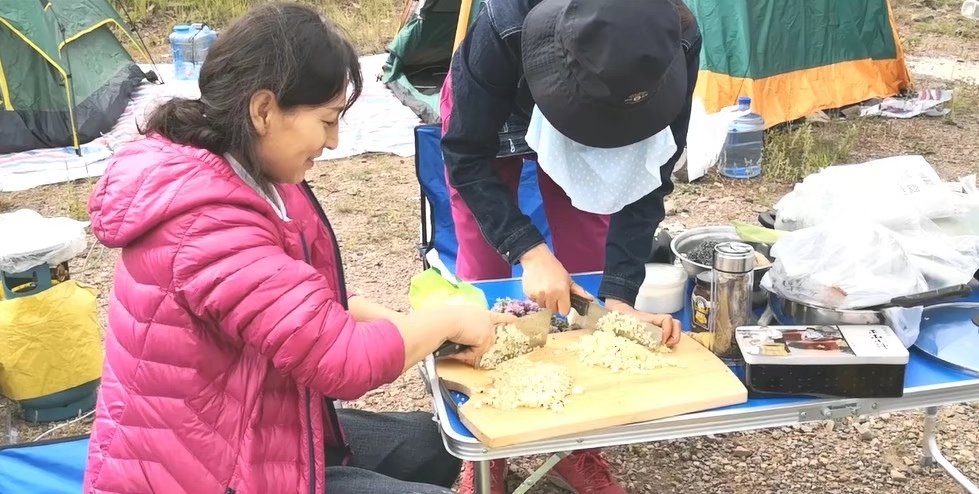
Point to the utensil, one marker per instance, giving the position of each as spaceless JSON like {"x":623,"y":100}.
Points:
{"x":586,"y":314}
{"x":950,"y":333}
{"x":685,"y":242}
{"x":790,"y":312}
{"x":536,"y":326}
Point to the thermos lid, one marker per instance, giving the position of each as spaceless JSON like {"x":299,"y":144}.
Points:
{"x":734,"y":257}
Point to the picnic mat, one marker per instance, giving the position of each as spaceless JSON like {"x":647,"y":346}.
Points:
{"x":377,"y":123}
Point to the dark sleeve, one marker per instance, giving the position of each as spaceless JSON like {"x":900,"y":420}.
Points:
{"x":484,"y":76}
{"x":630,"y":232}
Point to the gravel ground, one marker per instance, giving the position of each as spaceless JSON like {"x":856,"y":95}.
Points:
{"x":373,"y":203}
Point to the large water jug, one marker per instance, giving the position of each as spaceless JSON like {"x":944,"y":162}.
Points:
{"x":742,"y":154}
{"x":970,"y":9}
{"x":189,"y":45}
{"x":202,"y":37}
{"x":182,"y":50}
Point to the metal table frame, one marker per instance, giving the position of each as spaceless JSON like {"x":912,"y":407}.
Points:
{"x":782,"y":412}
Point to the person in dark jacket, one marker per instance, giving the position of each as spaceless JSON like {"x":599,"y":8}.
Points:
{"x":600,"y":91}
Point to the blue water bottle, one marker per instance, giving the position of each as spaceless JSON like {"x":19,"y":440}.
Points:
{"x":182,"y":51}
{"x":743,"y":149}
{"x":201,"y":37}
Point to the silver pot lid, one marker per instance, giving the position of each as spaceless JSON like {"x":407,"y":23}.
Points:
{"x":950,"y":333}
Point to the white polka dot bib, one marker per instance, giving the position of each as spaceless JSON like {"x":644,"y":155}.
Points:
{"x":597,"y":180}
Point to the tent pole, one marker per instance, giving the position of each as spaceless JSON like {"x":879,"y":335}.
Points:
{"x":465,"y":10}
{"x":70,"y":91}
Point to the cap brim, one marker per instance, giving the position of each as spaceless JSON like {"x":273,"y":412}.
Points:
{"x":583,"y":119}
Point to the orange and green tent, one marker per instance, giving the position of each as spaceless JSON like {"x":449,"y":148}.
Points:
{"x":793,"y":57}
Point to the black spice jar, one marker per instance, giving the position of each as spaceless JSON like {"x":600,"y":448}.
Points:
{"x":700,"y":303}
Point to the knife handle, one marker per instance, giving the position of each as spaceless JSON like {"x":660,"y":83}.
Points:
{"x":449,"y":348}
{"x":580,"y":304}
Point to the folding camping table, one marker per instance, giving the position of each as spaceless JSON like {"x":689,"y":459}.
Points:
{"x":929,"y":384}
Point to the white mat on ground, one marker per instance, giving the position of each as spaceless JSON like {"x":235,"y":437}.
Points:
{"x":377,"y":123}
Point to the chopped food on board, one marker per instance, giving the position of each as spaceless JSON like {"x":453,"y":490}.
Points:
{"x":620,"y":343}
{"x":550,"y":386}
{"x":510,"y":342}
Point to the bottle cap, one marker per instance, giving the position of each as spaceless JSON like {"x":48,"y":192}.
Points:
{"x":744,"y":101}
{"x":734,"y":257}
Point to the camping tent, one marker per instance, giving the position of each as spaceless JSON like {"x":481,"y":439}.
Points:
{"x":793,"y":57}
{"x":64,"y":77}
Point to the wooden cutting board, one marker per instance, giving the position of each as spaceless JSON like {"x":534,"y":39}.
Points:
{"x":700,"y":382}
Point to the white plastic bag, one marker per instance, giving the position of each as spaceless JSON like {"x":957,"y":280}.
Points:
{"x":28,"y":239}
{"x":895,"y":192}
{"x":846,"y":266}
{"x":906,"y":323}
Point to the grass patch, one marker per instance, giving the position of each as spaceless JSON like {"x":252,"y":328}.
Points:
{"x":6,"y":205}
{"x":965,"y":102}
{"x":76,"y":199}
{"x":370,"y":24}
{"x":792,"y":154}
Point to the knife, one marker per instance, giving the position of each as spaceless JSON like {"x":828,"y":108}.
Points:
{"x":586,"y":314}
{"x":536,"y":326}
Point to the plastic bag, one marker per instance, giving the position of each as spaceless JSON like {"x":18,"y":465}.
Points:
{"x":856,"y":264}
{"x":28,"y":239}
{"x":50,"y":341}
{"x":906,"y":323}
{"x":895,"y":192}
{"x":429,"y":288}
{"x":845,"y":266}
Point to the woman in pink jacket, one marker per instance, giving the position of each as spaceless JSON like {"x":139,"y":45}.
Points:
{"x":231,"y":332}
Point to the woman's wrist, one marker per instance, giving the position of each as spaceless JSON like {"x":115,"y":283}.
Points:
{"x":535,"y":254}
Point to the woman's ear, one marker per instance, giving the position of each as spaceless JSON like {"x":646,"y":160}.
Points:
{"x":260,"y":108}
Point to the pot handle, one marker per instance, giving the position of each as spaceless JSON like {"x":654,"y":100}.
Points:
{"x":767,"y":219}
{"x":932,"y":296}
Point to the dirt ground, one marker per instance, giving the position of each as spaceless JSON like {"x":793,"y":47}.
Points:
{"x":373,"y":202}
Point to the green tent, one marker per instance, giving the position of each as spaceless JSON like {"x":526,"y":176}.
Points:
{"x":419,"y":54}
{"x":64,"y":77}
{"x":793,"y":57}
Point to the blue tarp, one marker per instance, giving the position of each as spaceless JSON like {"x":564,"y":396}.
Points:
{"x":44,"y":467}
{"x":430,"y":169}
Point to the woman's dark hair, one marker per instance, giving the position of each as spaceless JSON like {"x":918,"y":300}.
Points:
{"x":288,"y":49}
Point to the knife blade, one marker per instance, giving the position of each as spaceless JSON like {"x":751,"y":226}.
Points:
{"x":587,"y":313}
{"x":536,"y":326}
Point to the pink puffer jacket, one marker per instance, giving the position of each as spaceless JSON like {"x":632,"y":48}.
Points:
{"x":223,"y":342}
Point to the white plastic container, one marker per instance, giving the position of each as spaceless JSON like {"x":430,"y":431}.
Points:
{"x":663,"y":290}
{"x":970,"y":9}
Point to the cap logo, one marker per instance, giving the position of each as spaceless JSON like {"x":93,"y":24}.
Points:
{"x":636,"y":98}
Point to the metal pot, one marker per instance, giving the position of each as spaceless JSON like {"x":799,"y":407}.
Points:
{"x":792,"y":313}
{"x":685,"y":242}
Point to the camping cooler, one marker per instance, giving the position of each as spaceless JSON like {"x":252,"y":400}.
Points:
{"x":823,"y":361}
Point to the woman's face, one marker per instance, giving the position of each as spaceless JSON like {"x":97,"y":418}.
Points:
{"x":289,"y":140}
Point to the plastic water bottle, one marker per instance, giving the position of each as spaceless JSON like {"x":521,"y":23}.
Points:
{"x":970,"y":9}
{"x":189,"y":45}
{"x":182,"y":51}
{"x":742,"y":155}
{"x":202,"y":37}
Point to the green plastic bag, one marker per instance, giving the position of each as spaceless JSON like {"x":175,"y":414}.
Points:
{"x":429,"y":288}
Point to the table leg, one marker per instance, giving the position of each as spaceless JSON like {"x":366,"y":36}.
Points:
{"x":540,"y":472}
{"x":482,"y":477}
{"x":933,"y":454}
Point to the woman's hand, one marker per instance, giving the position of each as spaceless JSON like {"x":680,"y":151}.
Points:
{"x":477,"y":330}
{"x":671,"y":327}
{"x":546,"y":282}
